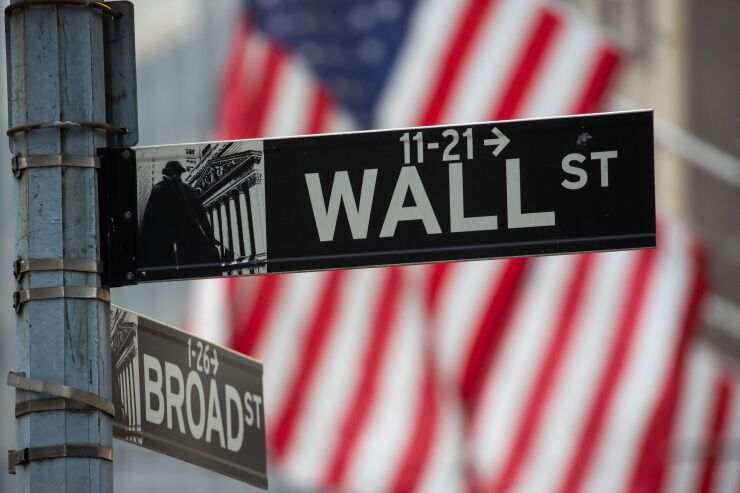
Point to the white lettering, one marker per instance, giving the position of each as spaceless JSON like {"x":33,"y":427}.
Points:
{"x":214,"y":415}
{"x":573,"y":170}
{"x":169,"y":390}
{"x":257,"y":404}
{"x":458,"y":221}
{"x":249,"y":418}
{"x":234,"y":441}
{"x":604,"y":157}
{"x":193,"y":381}
{"x":174,"y":399}
{"x":341,"y":192}
{"x":153,"y":387}
{"x":409,"y":180}
{"x":516,"y":218}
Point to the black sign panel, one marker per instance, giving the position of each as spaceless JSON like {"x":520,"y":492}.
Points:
{"x":445,"y":193}
{"x":465,"y":192}
{"x":185,"y":397}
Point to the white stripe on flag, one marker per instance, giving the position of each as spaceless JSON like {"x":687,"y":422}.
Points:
{"x":340,"y":121}
{"x":209,"y":317}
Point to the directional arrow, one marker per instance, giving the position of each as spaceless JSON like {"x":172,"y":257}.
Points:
{"x":214,"y":361}
{"x":500,"y":141}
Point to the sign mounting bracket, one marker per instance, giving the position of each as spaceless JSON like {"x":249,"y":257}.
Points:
{"x":118,"y":213}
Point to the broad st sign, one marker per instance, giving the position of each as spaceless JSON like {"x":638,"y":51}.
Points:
{"x":185,"y":397}
{"x":445,"y":193}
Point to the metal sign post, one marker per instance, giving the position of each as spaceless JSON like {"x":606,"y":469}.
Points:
{"x":63,"y":59}
{"x":446,"y":193}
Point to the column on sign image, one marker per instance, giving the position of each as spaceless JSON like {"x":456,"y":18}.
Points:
{"x":128,"y":375}
{"x":221,"y":236}
{"x":231,"y":230}
{"x":212,"y":215}
{"x":122,"y":393}
{"x":218,"y":217}
{"x":132,"y":391}
{"x":126,"y":395}
{"x":244,"y":198}
{"x":232,"y":222}
{"x":257,"y":203}
{"x":225,"y":226}
{"x":236,"y":200}
{"x":137,"y":408}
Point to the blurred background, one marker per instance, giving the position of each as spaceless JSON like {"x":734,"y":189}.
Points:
{"x":676,"y":56}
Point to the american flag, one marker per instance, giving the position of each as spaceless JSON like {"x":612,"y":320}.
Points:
{"x":569,"y":373}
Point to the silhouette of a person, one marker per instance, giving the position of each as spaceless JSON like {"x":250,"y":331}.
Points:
{"x":175,"y":231}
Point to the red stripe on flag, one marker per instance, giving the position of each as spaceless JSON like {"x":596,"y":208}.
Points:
{"x":724,"y":395}
{"x":245,"y":336}
{"x":490,"y":330}
{"x":625,"y":330}
{"x":651,"y":465}
{"x":421,"y":440}
{"x":556,"y":351}
{"x":548,"y":24}
{"x":318,"y":111}
{"x":310,"y":356}
{"x":262,"y":98}
{"x":598,"y":81}
{"x":476,"y":12}
{"x":438,"y":273}
{"x":366,"y":390}
{"x":235,"y":96}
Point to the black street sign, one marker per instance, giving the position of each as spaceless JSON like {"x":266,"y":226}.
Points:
{"x":444,"y":193}
{"x":185,"y":397}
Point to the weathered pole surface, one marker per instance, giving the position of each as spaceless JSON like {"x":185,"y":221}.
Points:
{"x":57,"y":74}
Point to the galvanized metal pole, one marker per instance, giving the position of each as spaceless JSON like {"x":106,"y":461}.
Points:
{"x":55,"y":60}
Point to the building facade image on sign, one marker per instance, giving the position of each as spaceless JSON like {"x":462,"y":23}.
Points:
{"x":201,"y":210}
{"x":429,"y":194}
{"x":185,"y":397}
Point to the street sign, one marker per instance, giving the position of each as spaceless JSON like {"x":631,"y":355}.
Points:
{"x":185,"y":397}
{"x":444,"y":193}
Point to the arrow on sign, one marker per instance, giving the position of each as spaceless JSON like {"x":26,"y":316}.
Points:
{"x":500,"y":141}
{"x":214,"y":361}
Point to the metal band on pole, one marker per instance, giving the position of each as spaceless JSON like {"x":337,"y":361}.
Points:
{"x":21,"y":267}
{"x":21,"y":163}
{"x":64,"y":391}
{"x":79,"y":450}
{"x":45,"y":405}
{"x":66,"y":124}
{"x":81,"y":292}
{"x":80,"y":3}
